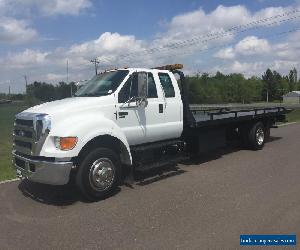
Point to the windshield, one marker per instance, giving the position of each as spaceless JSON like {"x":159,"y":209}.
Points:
{"x":103,"y":84}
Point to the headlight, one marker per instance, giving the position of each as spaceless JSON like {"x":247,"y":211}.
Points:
{"x":42,"y":125}
{"x":65,"y":143}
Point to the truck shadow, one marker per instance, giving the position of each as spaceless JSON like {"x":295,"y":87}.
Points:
{"x":53,"y":195}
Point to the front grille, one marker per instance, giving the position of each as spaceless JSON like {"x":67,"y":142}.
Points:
{"x":23,"y":144}
{"x":27,"y":123}
{"x":20,"y":163}
{"x":24,"y":133}
{"x":24,"y":136}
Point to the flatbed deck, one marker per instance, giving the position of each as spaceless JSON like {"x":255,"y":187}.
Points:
{"x":204,"y":118}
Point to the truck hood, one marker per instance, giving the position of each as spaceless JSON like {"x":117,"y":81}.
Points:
{"x":70,"y":105}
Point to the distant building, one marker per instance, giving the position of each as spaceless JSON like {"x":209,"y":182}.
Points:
{"x":292,"y":97}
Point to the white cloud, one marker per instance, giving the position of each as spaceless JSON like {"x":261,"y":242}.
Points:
{"x":26,"y":59}
{"x":250,"y":68}
{"x":272,"y":11}
{"x":256,"y":68}
{"x":51,"y":77}
{"x":106,"y":43}
{"x":16,"y":31}
{"x":109,"y":48}
{"x":198,"y":23}
{"x":227,"y":53}
{"x":250,"y":45}
{"x":63,"y":7}
{"x":289,"y":49}
{"x":45,"y":7}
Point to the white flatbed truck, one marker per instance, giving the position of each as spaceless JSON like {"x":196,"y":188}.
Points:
{"x":126,"y":117}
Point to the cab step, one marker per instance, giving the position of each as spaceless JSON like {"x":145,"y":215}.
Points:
{"x":161,"y":163}
{"x":154,"y":145}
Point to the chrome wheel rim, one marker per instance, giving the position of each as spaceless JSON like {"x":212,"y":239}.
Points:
{"x":102,"y":174}
{"x":260,"y":136}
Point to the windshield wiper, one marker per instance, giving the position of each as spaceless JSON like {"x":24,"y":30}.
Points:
{"x":87,"y":94}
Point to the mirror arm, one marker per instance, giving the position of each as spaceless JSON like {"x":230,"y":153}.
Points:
{"x":128,"y":101}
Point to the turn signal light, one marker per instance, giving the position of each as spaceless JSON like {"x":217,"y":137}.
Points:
{"x":65,"y":143}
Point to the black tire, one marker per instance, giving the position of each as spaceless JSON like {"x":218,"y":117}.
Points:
{"x":99,"y":159}
{"x":257,"y":136}
{"x":267,"y":132}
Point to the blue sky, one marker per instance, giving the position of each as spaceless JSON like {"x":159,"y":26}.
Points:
{"x":38,"y":37}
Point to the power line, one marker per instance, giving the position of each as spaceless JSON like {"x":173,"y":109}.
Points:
{"x":211,"y":36}
{"x":183,"y":44}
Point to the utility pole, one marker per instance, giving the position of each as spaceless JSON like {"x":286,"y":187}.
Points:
{"x":67,"y":71}
{"x":9,"y":90}
{"x":267,"y":94}
{"x":26,"y":83}
{"x":96,"y":62}
{"x":68,"y":78}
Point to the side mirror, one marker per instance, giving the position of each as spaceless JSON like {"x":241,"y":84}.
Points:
{"x":142,"y":85}
{"x":142,"y":89}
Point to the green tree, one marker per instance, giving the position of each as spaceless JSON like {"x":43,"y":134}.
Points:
{"x":292,"y":79}
{"x":271,"y":82}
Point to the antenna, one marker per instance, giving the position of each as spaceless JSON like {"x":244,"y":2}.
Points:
{"x":26,"y":83}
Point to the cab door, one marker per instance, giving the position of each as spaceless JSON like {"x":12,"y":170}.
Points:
{"x":141,"y":123}
{"x":154,"y":112}
{"x":173,"y":122}
{"x":130,"y":116}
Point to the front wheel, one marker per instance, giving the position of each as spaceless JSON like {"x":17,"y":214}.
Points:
{"x":99,"y":174}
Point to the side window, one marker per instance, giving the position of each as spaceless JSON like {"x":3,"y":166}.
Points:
{"x":152,"y":92}
{"x":129,"y":90}
{"x":166,"y":84}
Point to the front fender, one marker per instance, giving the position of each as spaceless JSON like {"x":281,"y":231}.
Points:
{"x":86,"y":128}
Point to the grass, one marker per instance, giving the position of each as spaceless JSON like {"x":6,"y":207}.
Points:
{"x":7,"y":113}
{"x":294,"y":116}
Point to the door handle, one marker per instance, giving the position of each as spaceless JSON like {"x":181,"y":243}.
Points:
{"x":160,"y":108}
{"x":122,"y":114}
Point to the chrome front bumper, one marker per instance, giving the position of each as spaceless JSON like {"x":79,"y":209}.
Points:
{"x":42,"y":171}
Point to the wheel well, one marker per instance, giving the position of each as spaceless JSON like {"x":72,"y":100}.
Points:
{"x":106,"y":141}
{"x":267,"y":122}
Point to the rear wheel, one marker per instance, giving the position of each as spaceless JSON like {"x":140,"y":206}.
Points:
{"x":99,"y":174}
{"x":257,"y":136}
